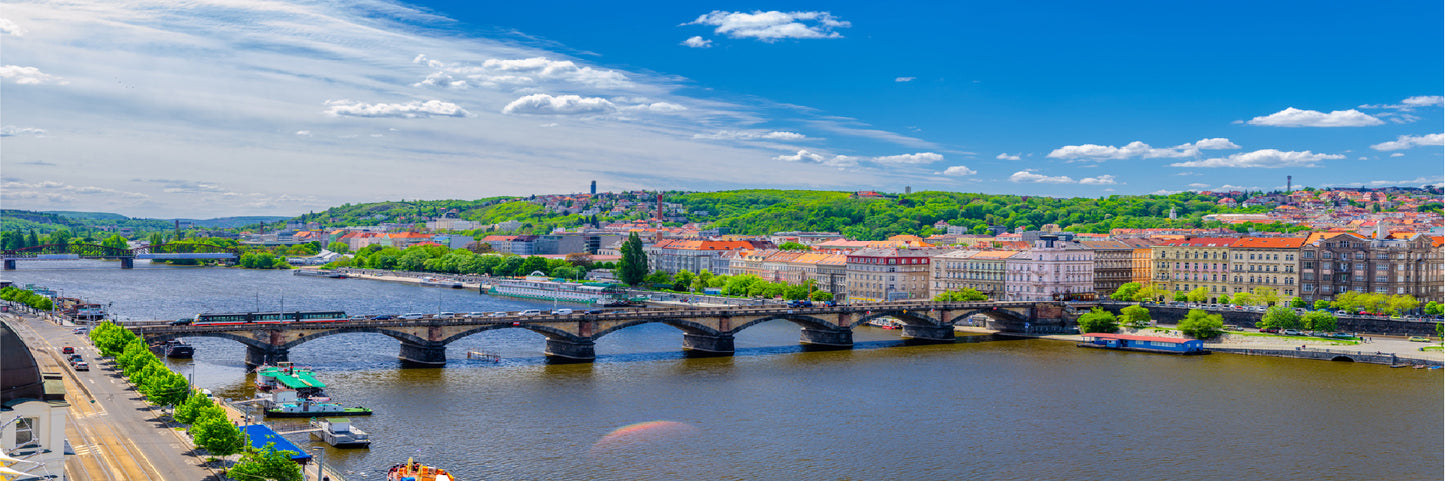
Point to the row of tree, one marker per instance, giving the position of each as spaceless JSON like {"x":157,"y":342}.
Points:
{"x":26,"y":297}
{"x":1285,"y":318}
{"x":1197,"y":323}
{"x":441,"y":259}
{"x":210,"y":427}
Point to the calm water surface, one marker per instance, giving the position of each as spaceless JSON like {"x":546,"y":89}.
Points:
{"x":994,"y":409}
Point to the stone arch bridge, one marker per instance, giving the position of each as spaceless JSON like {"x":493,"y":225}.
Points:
{"x":570,"y":338}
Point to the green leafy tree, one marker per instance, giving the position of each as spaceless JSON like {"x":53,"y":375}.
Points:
{"x":682,"y":281}
{"x":1136,"y":317}
{"x":966,"y":294}
{"x":533,"y":264}
{"x":1199,"y":294}
{"x":793,"y":246}
{"x":1320,"y":321}
{"x":1224,"y":299}
{"x":1266,"y":296}
{"x":1098,"y":320}
{"x":1434,"y":308}
{"x":217,"y":435}
{"x":187,"y":410}
{"x":1322,"y":304}
{"x":338,"y":247}
{"x":1279,"y":316}
{"x":267,"y":463}
{"x":1127,"y":292}
{"x":1245,"y":299}
{"x":1181,"y":297}
{"x":702,"y":280}
{"x":115,"y":241}
{"x":1298,"y":303}
{"x":1401,"y":303}
{"x":822,"y":296}
{"x":632,"y":267}
{"x":168,"y":389}
{"x":1201,"y":325}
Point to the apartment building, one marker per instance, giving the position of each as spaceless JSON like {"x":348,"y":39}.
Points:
{"x":673,"y":255}
{"x":1271,"y":262}
{"x":1054,"y":269}
{"x":982,"y":271}
{"x":1141,"y":265}
{"x":891,"y":274}
{"x":1336,"y":262}
{"x":1113,"y":264}
{"x":1187,"y":264}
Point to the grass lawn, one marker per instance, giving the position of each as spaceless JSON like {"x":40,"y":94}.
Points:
{"x":1335,"y":342}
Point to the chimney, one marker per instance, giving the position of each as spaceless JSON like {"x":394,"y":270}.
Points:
{"x":659,"y":207}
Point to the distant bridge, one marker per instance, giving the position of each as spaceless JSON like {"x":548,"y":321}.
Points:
{"x":127,"y":257}
{"x":571,"y":338}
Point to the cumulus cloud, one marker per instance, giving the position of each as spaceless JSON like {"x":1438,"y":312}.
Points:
{"x":543,"y":104}
{"x":496,"y":73}
{"x":918,"y":158}
{"x":802,"y":155}
{"x":958,"y":170}
{"x":1397,"y":154}
{"x":409,"y":110}
{"x":1424,"y":101}
{"x":904,"y":79}
{"x":697,"y":41}
{"x":839,"y":161}
{"x":1265,"y":158}
{"x":1100,"y":180}
{"x":751,"y":135}
{"x":772,"y":26}
{"x":1007,"y":156}
{"x":1293,"y":117}
{"x":1099,"y":153}
{"x":1029,"y":176}
{"x":1407,"y":141}
{"x":8,"y":27}
{"x":11,"y":131}
{"x":29,"y":76}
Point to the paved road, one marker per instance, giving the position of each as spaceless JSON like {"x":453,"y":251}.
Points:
{"x":115,"y":435}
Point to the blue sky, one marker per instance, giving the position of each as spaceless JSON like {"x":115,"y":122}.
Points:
{"x":233,"y":108}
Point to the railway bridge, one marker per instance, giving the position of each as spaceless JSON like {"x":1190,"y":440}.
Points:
{"x":168,"y":251}
{"x":570,"y":338}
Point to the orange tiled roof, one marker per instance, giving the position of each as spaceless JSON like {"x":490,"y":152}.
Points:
{"x":1270,"y":243}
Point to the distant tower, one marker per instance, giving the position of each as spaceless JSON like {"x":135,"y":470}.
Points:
{"x":908,"y":190}
{"x":1172,"y":215}
{"x":1288,"y":183}
{"x":659,"y":207}
{"x":594,"y":187}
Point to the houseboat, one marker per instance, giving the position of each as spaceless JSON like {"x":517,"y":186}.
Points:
{"x":539,"y":287}
{"x":178,"y":349}
{"x":287,"y":376}
{"x":1126,"y":342}
{"x":441,"y":282}
{"x":339,"y":432}
{"x":313,"y":407}
{"x":319,"y":273}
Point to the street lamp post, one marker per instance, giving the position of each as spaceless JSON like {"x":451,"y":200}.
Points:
{"x":320,"y":462}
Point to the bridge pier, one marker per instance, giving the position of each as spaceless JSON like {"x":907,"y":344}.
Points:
{"x":830,"y":338}
{"x":9,"y":264}
{"x":930,"y":334}
{"x":423,"y":355}
{"x":256,"y":356}
{"x":570,"y":350}
{"x":127,"y":263}
{"x":705,"y":345}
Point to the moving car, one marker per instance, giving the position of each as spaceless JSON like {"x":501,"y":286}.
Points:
{"x":530,"y":312}
{"x":446,"y":315}
{"x":562,"y":312}
{"x":383,"y":317}
{"x":82,"y":366}
{"x":181,"y":322}
{"x":499,"y":314}
{"x":67,"y":350}
{"x":78,"y":330}
{"x":476,"y":314}
{"x":411,"y":316}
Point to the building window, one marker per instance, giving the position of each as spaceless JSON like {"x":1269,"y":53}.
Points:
{"x":25,"y":431}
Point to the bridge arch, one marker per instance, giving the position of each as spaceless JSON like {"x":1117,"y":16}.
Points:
{"x":685,"y":325}
{"x":83,"y":250}
{"x":1001,"y":315}
{"x":547,"y":331}
{"x":908,"y":316}
{"x":1343,"y":358}
{"x":249,"y":342}
{"x":311,"y":336}
{"x":806,"y":322}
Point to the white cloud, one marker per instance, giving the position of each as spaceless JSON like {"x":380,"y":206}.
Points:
{"x":958,"y":170}
{"x":543,"y":104}
{"x":1100,"y":180}
{"x":751,"y":135}
{"x":802,"y":155}
{"x":8,"y":27}
{"x":1418,"y":181}
{"x":1407,"y":141}
{"x":29,"y":76}
{"x":1164,"y":192}
{"x":409,"y":110}
{"x":303,"y":133}
{"x":1028,"y":176}
{"x":55,"y":187}
{"x":918,"y":158}
{"x":697,"y":42}
{"x":772,"y":26}
{"x":11,"y":131}
{"x":1397,"y":154}
{"x":839,"y":161}
{"x":1099,"y":153}
{"x":1293,"y":117}
{"x":1007,"y":156}
{"x":1424,"y":101}
{"x":1228,"y":188}
{"x":904,"y":79}
{"x":498,"y":72}
{"x":1198,"y":186}
{"x":1266,"y":158}
{"x":662,"y":107}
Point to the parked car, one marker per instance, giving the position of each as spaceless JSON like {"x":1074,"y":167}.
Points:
{"x":476,"y":314}
{"x":82,"y":366}
{"x":447,"y":315}
{"x":830,"y":303}
{"x":67,"y":350}
{"x":562,"y":312}
{"x":383,"y":317}
{"x":1342,"y":335}
{"x":1291,"y":332}
{"x":530,"y":312}
{"x":411,"y":316}
{"x":78,"y":330}
{"x":1419,"y":339}
{"x":181,"y":322}
{"x":1271,"y":330}
{"x":499,"y":314}
{"x":1233,"y":328}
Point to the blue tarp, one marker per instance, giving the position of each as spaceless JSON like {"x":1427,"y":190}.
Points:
{"x":259,"y":435}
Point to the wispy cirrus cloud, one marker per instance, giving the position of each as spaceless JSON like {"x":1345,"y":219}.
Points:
{"x":1264,"y":158}
{"x":29,"y":76}
{"x":1408,"y":141}
{"x":772,"y":26}
{"x":11,"y":131}
{"x":1293,"y":117}
{"x":409,"y":110}
{"x":751,"y":135}
{"x":1138,"y":149}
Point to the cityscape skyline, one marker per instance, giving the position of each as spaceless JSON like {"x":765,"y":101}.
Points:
{"x":277,"y":108}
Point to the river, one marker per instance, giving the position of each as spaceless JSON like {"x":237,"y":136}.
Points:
{"x":988,"y":409}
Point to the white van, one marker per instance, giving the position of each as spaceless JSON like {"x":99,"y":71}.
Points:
{"x":411,"y":315}
{"x":562,"y":312}
{"x":447,"y":315}
{"x":530,"y":312}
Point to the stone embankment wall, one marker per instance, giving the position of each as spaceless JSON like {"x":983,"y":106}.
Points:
{"x":1247,"y":319}
{"x":1346,"y":355}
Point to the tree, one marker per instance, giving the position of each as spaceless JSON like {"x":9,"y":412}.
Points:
{"x":1321,"y":305}
{"x":822,"y":296}
{"x":702,"y":281}
{"x":1147,"y":293}
{"x":1224,"y":299}
{"x":115,"y":241}
{"x":682,"y":281}
{"x":793,"y":246}
{"x":1245,"y":299}
{"x":579,"y":259}
{"x":217,"y":435}
{"x":1199,"y":294}
{"x":967,"y":294}
{"x":267,"y":463}
{"x":1401,"y":303}
{"x":187,"y":410}
{"x":1136,"y":317}
{"x":1127,"y":292}
{"x":338,"y":247}
{"x":1098,"y":320}
{"x":1279,"y":316}
{"x":1266,"y":296}
{"x":1320,"y":321}
{"x":1201,"y":325}
{"x":1181,"y":297}
{"x":1298,"y":303}
{"x":1434,"y":308}
{"x":633,"y":266}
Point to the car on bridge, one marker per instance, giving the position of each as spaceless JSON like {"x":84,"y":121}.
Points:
{"x":181,"y":322}
{"x":383,"y":317}
{"x":499,"y":314}
{"x":411,"y":316}
{"x":562,"y":312}
{"x":530,"y":312}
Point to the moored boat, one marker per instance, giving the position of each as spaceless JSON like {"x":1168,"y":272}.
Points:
{"x":178,"y":349}
{"x":414,"y":471}
{"x":539,"y":287}
{"x":285,"y":375}
{"x":440,"y":282}
{"x":340,"y":433}
{"x":313,"y":407}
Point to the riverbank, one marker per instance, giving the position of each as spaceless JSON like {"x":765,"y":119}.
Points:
{"x":1379,"y":350}
{"x":405,"y":277}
